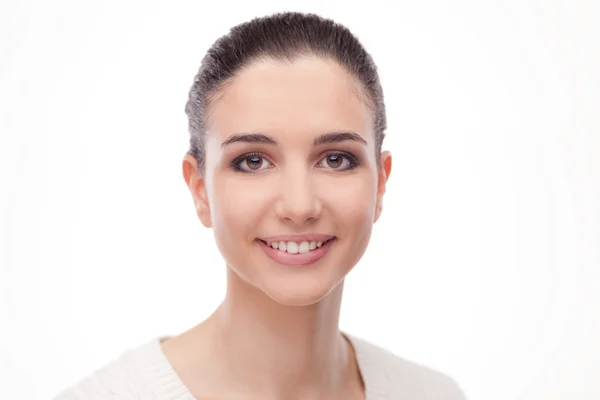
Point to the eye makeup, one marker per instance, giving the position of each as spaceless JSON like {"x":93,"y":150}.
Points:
{"x":252,"y":162}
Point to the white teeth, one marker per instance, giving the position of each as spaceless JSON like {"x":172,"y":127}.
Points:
{"x":292,"y":247}
{"x":303,"y":248}
{"x":295,"y":247}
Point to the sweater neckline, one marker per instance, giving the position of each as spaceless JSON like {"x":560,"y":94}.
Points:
{"x":167,"y":385}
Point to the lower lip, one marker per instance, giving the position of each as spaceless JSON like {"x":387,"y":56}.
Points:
{"x":299,"y":259}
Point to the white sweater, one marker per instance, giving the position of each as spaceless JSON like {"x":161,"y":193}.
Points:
{"x":144,"y":373}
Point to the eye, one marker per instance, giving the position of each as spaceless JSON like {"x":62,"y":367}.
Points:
{"x":339,"y":161}
{"x":252,"y":162}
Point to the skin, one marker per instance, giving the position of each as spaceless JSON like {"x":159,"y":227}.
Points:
{"x":276,"y":334}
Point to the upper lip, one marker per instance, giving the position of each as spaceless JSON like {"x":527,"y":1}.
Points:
{"x":309,"y":237}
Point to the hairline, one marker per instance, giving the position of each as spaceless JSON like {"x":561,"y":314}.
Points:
{"x":358,"y":88}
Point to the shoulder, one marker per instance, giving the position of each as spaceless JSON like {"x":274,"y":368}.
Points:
{"x":124,"y":378}
{"x":388,"y":375}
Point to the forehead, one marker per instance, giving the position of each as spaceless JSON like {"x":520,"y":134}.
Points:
{"x":307,"y":96}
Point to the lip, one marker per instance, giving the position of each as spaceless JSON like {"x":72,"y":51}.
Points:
{"x":299,"y":259}
{"x":309,"y":237}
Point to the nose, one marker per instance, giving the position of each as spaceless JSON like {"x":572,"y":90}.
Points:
{"x":298,"y":200}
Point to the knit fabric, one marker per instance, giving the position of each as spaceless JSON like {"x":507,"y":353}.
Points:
{"x":144,"y":373}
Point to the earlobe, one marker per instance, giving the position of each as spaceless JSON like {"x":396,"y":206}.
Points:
{"x":202,"y":207}
{"x":203,"y":212}
{"x":385,"y":168}
{"x":378,"y":210}
{"x":197,"y":187}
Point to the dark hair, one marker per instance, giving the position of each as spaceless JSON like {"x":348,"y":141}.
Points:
{"x":281,"y":37}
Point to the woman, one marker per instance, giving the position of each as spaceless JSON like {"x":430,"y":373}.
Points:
{"x":287,"y":119}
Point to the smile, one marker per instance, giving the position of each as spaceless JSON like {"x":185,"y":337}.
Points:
{"x":295,"y":247}
{"x":296,"y":253}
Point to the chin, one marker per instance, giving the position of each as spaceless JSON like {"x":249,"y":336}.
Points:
{"x":298,"y":286}
{"x":299,"y":292}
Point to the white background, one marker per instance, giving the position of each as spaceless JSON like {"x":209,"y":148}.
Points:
{"x":485,"y":264}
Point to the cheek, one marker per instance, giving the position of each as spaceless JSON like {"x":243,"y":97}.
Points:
{"x":351,"y":199}
{"x":351,"y":202}
{"x":237,"y":204}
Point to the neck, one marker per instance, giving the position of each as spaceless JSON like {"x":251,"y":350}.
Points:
{"x":278,"y":351}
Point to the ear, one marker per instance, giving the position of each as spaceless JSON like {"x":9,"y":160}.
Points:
{"x":385,"y":168}
{"x":197,"y":186}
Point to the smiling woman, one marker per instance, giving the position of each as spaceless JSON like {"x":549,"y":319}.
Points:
{"x":287,"y":120}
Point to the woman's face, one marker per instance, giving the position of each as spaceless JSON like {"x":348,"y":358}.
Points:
{"x":291,"y":185}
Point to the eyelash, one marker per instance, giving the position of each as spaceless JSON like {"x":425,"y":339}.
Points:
{"x":353,"y":161}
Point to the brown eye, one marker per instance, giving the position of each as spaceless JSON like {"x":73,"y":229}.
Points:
{"x":334,"y":161}
{"x":338,"y":162}
{"x":252,"y":162}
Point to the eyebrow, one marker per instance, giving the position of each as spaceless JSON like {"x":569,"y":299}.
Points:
{"x":331,"y":137}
